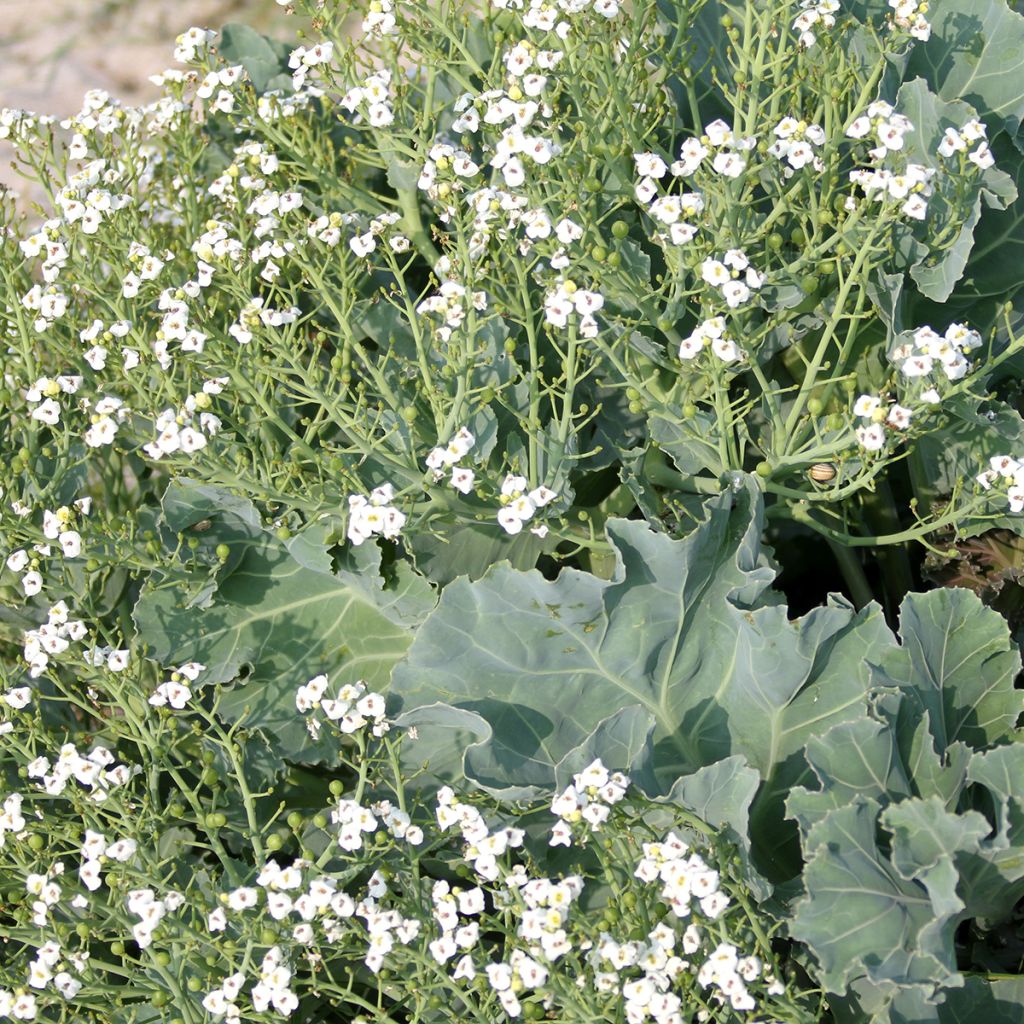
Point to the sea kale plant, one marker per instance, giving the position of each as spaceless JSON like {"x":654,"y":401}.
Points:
{"x":404,"y":431}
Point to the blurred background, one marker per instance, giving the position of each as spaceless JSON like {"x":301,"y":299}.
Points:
{"x":53,"y":51}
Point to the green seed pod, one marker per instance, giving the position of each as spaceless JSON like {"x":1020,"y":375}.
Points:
{"x":620,"y":229}
{"x":614,"y":259}
{"x":763,"y":470}
{"x":815,"y":406}
{"x":295,"y":821}
{"x":223,"y":552}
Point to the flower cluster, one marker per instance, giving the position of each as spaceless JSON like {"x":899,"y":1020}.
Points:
{"x":352,"y":709}
{"x":450,"y":455}
{"x":43,"y":395}
{"x":928,"y":351}
{"x":589,"y":799}
{"x":733,"y":275}
{"x":98,"y":771}
{"x":710,"y":332}
{"x":875,"y":415}
{"x":568,"y":298}
{"x":972,"y":132}
{"x":187,"y":429}
{"x":452,"y":302}
{"x":1010,"y":472}
{"x":794,"y":142}
{"x":175,"y":692}
{"x":728,"y":160}
{"x":909,"y":15}
{"x":518,"y":505}
{"x":669,"y":210}
{"x":371,"y":101}
{"x":306,"y":59}
{"x":51,"y":638}
{"x":814,"y":16}
{"x":374,"y":514}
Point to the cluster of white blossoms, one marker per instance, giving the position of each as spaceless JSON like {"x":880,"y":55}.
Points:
{"x":272,"y":989}
{"x":371,"y":101}
{"x":216,"y":87}
{"x":175,"y":692}
{"x":363,"y":243}
{"x":449,"y":456}
{"x":814,"y":15}
{"x":909,"y":15}
{"x":589,"y":800}
{"x":875,"y":415}
{"x":728,"y":148}
{"x":47,"y":891}
{"x":456,"y":932}
{"x":567,"y":304}
{"x":644,"y":971}
{"x":189,"y":428}
{"x":518,"y":504}
{"x":888,"y":128}
{"x":50,"y":966}
{"x":1008,"y":471}
{"x":59,"y":526}
{"x":676,"y":212}
{"x":254,"y":313}
{"x":50,"y":639}
{"x":794,"y":142}
{"x":96,"y":356}
{"x":193,"y":44}
{"x":48,"y":242}
{"x":96,"y":851}
{"x":150,"y":911}
{"x":353,"y":819}
{"x":972,"y":132}
{"x":730,"y":973}
{"x":374,"y":514}
{"x":733,"y":276}
{"x":452,"y":302}
{"x":913,"y":187}
{"x":351,"y":709}
{"x":928,"y":352}
{"x":379,"y":20}
{"x":49,"y":305}
{"x":685,"y":880}
{"x":98,"y":771}
{"x":307,"y":60}
{"x":483,"y":847}
{"x":82,"y":203}
{"x":711,"y":332}
{"x":43,"y":396}
{"x":11,"y":818}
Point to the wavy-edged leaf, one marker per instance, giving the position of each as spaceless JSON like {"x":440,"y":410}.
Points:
{"x":278,"y":619}
{"x":687,"y":630}
{"x":862,"y":920}
{"x":957,"y":661}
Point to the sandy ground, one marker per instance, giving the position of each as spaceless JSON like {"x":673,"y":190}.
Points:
{"x":52,"y":51}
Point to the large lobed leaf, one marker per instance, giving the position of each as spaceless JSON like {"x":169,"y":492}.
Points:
{"x":689,"y":632}
{"x":279,"y":617}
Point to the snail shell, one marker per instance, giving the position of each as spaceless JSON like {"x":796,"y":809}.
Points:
{"x":822,"y":472}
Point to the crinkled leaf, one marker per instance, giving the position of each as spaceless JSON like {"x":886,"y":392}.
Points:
{"x":957,"y":661}
{"x":279,"y":620}
{"x":861,"y":919}
{"x":689,"y":630}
